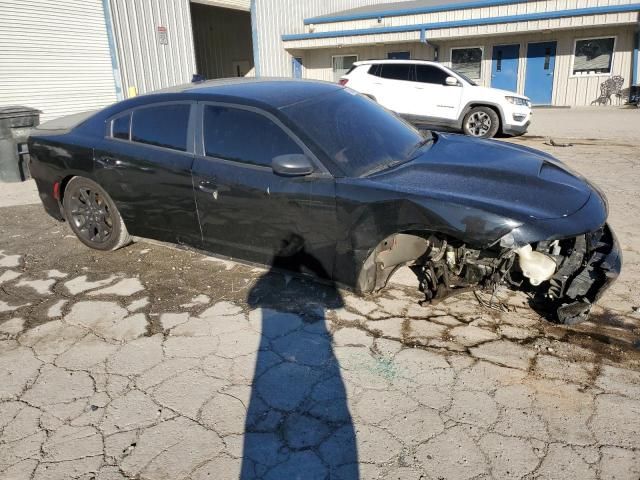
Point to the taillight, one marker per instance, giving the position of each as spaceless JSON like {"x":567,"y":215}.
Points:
{"x":343,"y":81}
{"x":56,"y":190}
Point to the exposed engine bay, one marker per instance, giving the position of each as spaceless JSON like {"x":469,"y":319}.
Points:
{"x":563,"y":277}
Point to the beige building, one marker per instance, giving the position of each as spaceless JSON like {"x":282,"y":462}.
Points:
{"x":557,"y":52}
{"x":67,"y":56}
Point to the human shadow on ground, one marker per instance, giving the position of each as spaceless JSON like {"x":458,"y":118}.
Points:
{"x":298,"y":424}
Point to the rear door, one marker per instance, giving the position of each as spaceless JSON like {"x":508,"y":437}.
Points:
{"x":144,"y":163}
{"x":392,"y":86}
{"x":245,"y":209}
{"x":433,"y":98}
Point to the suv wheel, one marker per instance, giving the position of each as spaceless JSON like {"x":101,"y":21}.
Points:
{"x":481,"y":122}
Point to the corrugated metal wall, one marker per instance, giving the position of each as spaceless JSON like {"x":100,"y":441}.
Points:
{"x":276,"y":17}
{"x":55,"y":56}
{"x":221,"y":37}
{"x":145,"y":62}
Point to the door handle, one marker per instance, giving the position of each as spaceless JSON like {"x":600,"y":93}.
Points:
{"x":209,"y":188}
{"x":109,"y":162}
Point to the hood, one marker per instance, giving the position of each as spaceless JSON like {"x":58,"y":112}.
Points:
{"x":497,"y":93}
{"x":518,"y":182}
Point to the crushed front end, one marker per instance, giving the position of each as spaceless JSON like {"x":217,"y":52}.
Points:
{"x":563,"y":277}
{"x":586,"y":266}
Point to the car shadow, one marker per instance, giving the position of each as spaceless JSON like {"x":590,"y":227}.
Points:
{"x":298,"y":424}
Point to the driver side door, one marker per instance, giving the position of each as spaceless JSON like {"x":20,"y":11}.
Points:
{"x":245,"y":209}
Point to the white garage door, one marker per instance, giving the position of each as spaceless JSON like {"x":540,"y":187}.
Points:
{"x":54,"y":56}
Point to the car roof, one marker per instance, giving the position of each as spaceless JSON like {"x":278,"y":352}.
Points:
{"x":375,"y":62}
{"x":274,"y":92}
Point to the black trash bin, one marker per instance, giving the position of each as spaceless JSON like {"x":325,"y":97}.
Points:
{"x":16,"y":123}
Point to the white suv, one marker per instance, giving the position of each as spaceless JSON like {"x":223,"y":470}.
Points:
{"x":431,"y":94}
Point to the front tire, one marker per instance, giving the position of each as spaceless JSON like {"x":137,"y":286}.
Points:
{"x":93,"y":216}
{"x":481,"y":122}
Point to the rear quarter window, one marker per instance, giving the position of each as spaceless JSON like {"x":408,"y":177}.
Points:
{"x":120,"y":127}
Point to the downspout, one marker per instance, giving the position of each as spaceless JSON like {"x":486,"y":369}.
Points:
{"x":636,"y":57}
{"x":115,"y":66}
{"x":254,"y":38}
{"x":423,"y":39}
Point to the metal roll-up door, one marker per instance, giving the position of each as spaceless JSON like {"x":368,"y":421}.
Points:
{"x":54,"y":56}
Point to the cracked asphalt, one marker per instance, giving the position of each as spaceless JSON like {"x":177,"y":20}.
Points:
{"x":159,"y":363}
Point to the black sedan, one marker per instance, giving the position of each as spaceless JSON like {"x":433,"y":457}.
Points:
{"x":315,"y":178}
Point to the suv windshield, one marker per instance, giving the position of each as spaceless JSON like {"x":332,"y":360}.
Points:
{"x":357,"y":134}
{"x":464,"y":77}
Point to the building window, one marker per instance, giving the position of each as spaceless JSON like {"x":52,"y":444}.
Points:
{"x":342,"y":64}
{"x":593,"y":56}
{"x":467,"y":61}
{"x":398,"y":55}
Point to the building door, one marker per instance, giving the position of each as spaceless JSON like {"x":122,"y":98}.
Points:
{"x":541,"y":60}
{"x":504,"y":67}
{"x":296,"y":67}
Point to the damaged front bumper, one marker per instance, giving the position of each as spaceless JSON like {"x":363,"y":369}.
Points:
{"x":592,"y":266}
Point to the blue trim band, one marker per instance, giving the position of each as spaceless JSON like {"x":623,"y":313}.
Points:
{"x":254,"y":38}
{"x":467,"y":23}
{"x":115,"y":66}
{"x":409,"y":11}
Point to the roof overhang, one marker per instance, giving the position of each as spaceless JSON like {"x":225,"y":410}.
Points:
{"x":524,"y":23}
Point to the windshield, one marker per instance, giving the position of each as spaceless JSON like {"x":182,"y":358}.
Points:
{"x":464,"y":77}
{"x":358,"y":135}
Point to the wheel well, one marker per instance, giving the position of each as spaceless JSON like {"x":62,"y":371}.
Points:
{"x":492,"y":107}
{"x":63,"y":186}
{"x":394,"y":251}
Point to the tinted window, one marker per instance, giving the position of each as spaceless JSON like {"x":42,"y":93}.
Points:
{"x":430,"y":74}
{"x":244,"y":136}
{"x":120,"y":127}
{"x":395,"y":71}
{"x":164,"y":126}
{"x":375,"y":70}
{"x":357,"y":134}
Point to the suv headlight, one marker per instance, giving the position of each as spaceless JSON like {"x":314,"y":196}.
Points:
{"x":518,"y":101}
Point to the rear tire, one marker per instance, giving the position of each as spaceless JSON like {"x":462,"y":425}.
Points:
{"x":92,"y":215}
{"x":481,"y":122}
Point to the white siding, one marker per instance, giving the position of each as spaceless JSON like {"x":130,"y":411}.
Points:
{"x":317,"y":63}
{"x":539,"y":6}
{"x":144,"y":63}
{"x":567,"y":89}
{"x":276,"y":17}
{"x":54,"y":56}
{"x":471,"y":31}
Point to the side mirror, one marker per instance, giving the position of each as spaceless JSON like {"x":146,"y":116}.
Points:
{"x":451,"y":81}
{"x":292,"y":165}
